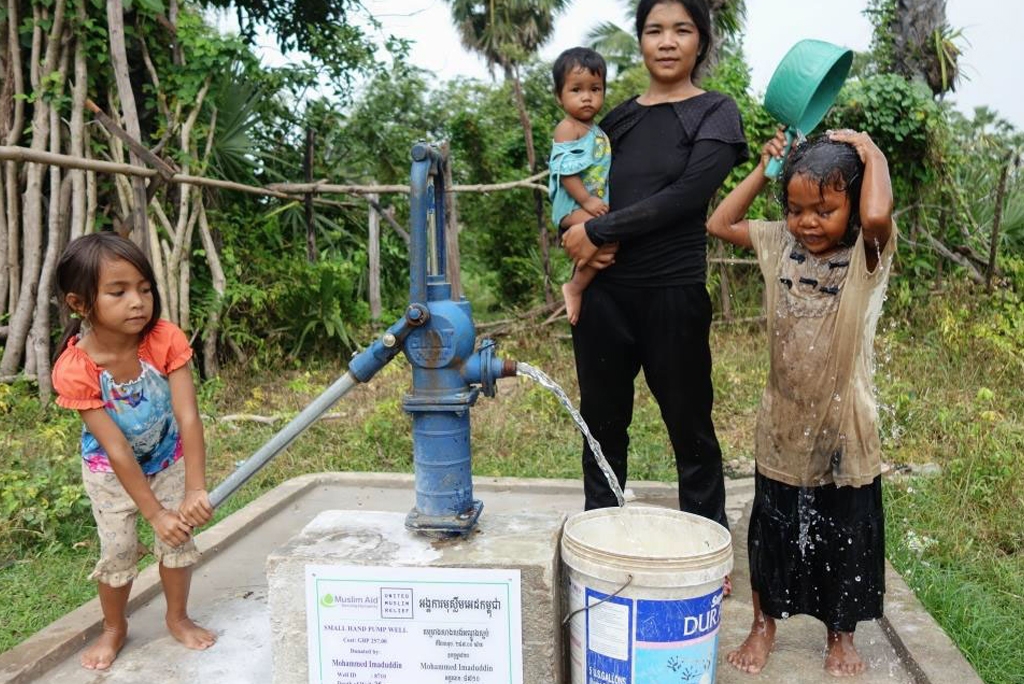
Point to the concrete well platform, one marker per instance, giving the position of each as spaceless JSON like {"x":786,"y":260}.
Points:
{"x":526,"y":542}
{"x":230,"y":596}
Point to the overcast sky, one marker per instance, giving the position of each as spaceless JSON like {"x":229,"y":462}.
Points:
{"x":991,"y":59}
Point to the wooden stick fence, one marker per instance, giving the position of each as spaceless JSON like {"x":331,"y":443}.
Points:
{"x":288,"y":191}
{"x":301,"y":192}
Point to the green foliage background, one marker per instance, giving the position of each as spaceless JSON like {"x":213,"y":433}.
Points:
{"x":951,"y":356}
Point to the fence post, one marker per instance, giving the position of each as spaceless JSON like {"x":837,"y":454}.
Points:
{"x":723,"y":283}
{"x":373,"y":251}
{"x":307,"y":163}
{"x":996,"y":220}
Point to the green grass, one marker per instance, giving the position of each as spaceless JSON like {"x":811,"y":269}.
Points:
{"x":949,"y":392}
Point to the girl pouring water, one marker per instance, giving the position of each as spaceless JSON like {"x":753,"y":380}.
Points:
{"x":816,"y":541}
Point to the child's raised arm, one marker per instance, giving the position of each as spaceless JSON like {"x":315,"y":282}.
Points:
{"x":167,"y":524}
{"x":728,"y":222}
{"x":195,"y":508}
{"x":875,"y":194}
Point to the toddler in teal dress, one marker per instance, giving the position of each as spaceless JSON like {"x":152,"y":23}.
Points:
{"x":581,"y":155}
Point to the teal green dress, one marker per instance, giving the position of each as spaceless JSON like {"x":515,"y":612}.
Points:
{"x":590,"y":158}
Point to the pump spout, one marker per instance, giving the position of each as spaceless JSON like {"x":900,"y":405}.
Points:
{"x":484,"y":368}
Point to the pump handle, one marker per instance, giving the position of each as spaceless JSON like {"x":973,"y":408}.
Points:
{"x":426,"y":197}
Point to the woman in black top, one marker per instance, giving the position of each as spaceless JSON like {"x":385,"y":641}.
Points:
{"x":672,"y":148}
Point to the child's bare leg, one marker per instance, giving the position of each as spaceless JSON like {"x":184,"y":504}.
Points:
{"x":572,"y":291}
{"x":752,"y":655}
{"x":842,"y":659}
{"x":176,"y":584}
{"x":103,"y":651}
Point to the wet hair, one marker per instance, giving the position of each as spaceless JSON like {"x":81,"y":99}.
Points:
{"x":698,"y":11}
{"x":577,"y":58}
{"x":831,"y":164}
{"x":78,"y":272}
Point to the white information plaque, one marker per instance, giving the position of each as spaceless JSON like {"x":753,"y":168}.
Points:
{"x":372,"y":625}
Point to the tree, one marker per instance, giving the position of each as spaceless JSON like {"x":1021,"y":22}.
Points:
{"x":506,"y":33}
{"x":913,"y":38}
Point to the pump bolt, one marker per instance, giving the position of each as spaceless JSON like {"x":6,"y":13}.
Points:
{"x":388,"y":340}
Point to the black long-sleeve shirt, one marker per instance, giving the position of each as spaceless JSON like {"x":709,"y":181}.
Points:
{"x":667,"y":162}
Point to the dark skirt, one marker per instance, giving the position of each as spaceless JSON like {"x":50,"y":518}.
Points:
{"x":818,"y":551}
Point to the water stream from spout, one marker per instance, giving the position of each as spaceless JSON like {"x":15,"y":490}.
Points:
{"x":543,"y":380}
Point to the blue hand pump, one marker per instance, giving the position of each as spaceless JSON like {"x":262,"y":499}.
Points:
{"x":438,"y":337}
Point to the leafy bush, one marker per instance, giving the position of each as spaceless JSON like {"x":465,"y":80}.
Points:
{"x":901,"y":118}
{"x":42,"y":501}
{"x":324,"y":303}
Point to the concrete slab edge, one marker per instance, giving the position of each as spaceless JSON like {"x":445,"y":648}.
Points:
{"x":66,"y":635}
{"x":927,"y":652}
{"x":646,"y":489}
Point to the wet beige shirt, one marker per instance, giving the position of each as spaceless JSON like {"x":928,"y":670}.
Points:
{"x":818,"y":421}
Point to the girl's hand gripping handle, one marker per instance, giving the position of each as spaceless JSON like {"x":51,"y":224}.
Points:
{"x":170,"y":528}
{"x":195,"y":508}
{"x":774,"y":167}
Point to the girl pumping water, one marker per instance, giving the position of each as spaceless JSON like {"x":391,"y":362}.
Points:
{"x":816,"y":542}
{"x":127,"y":373}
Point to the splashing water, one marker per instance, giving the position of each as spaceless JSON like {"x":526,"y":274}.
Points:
{"x":543,"y":380}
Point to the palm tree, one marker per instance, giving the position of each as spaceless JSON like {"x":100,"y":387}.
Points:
{"x":506,"y":33}
{"x":619,"y":46}
{"x":923,"y":45}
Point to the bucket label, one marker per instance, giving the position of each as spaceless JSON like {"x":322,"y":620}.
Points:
{"x":609,"y":639}
{"x":643,"y":641}
{"x":677,"y":641}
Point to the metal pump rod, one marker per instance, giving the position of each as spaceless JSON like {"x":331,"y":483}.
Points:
{"x":282,"y":439}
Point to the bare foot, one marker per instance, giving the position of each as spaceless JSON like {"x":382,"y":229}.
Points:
{"x":190,"y":634}
{"x":842,"y":659}
{"x":752,"y":655}
{"x":573,"y":302}
{"x":104,"y":650}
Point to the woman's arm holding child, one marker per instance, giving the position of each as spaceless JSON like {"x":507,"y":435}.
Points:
{"x":566,"y":131}
{"x":875,"y":194}
{"x":728,"y":222}
{"x":167,"y":524}
{"x":195,"y":508}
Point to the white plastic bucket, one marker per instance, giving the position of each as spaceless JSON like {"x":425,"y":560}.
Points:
{"x":663,"y":626}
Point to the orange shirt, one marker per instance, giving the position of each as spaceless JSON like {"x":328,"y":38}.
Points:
{"x":141,"y":408}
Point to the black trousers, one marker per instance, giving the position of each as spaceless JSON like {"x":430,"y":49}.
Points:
{"x":664,"y":331}
{"x":818,"y":551}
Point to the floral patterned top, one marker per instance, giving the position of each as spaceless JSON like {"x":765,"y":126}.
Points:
{"x":589,"y":157}
{"x":141,"y":408}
